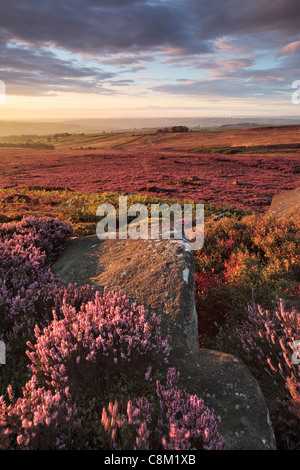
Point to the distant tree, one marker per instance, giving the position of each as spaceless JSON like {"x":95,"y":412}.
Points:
{"x":179,"y":129}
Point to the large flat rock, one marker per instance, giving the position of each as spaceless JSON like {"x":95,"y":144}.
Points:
{"x":160,"y":275}
{"x":226,"y":384}
{"x":286,"y":206}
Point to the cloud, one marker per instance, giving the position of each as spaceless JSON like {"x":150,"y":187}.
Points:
{"x":127,"y":59}
{"x":289,"y":49}
{"x":95,"y":27}
{"x":115,"y":26}
{"x":37,"y":72}
{"x":121,"y":82}
{"x":41,"y":42}
{"x":220,"y":90}
{"x":208,"y":89}
{"x":220,"y":19}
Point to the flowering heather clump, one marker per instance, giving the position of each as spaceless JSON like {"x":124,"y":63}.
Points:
{"x":130,"y":430}
{"x":267,"y":342}
{"x":190,"y":424}
{"x":47,"y":234}
{"x":27,"y":285}
{"x":105,"y":335}
{"x":76,"y":353}
{"x":38,"y":419}
{"x":181,"y":421}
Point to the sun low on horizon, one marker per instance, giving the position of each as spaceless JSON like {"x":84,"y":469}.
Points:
{"x":132,"y":58}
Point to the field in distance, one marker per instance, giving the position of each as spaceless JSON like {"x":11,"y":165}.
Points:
{"x":242,"y":167}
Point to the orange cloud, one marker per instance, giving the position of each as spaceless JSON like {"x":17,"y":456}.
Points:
{"x":290,"y":48}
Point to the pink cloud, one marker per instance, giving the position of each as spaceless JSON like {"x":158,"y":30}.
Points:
{"x":290,"y":48}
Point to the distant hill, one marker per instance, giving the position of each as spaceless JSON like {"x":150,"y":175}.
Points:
{"x":245,"y":125}
{"x":10,"y":128}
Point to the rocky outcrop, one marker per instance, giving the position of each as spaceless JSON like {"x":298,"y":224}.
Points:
{"x":160,"y":275}
{"x":226,"y":384}
{"x":286,"y":206}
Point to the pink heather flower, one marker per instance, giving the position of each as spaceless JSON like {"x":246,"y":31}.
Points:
{"x":270,"y":334}
{"x":148,"y":373}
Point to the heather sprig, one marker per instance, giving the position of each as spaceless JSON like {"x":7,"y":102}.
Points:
{"x":265,"y":343}
{"x":175,"y":420}
{"x":186,"y":423}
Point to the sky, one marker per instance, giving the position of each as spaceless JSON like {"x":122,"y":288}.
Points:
{"x":70,"y":59}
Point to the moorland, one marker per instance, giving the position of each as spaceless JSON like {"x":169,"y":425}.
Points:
{"x":243,"y":167}
{"x":247,"y":282}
